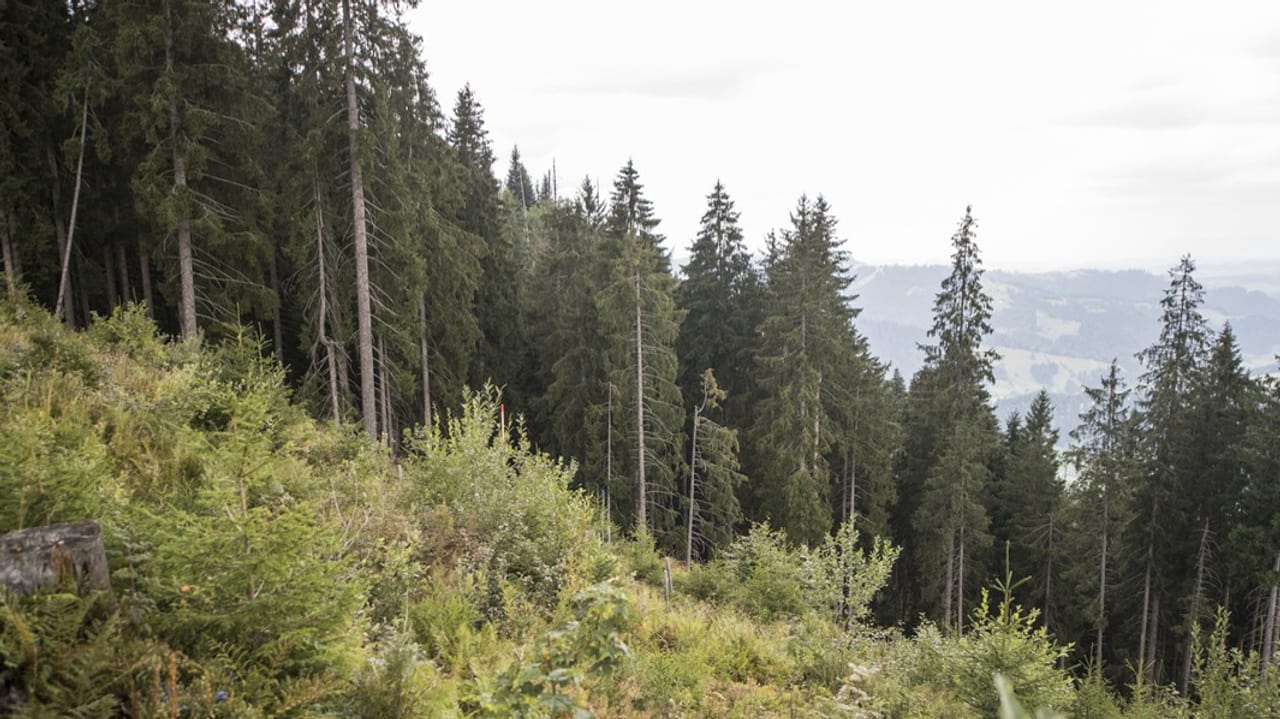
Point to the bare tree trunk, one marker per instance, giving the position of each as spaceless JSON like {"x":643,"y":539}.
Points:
{"x":277,"y":331}
{"x":186,"y":273}
{"x":1193,"y":617}
{"x":1048,"y":579}
{"x":384,"y":391}
{"x":7,"y":252}
{"x":424,"y":348}
{"x":65,"y":276}
{"x":364,"y":312}
{"x":322,"y":315}
{"x":608,"y":460}
{"x":960,"y":584}
{"x":122,"y":264}
{"x":641,"y":517}
{"x":948,"y":580}
{"x":109,"y":269}
{"x":693,"y":481}
{"x":59,"y":226}
{"x":1153,"y":637}
{"x":1146,"y":612}
{"x":853,"y":487}
{"x":1273,"y":605}
{"x":144,"y":272}
{"x":1102,"y":580}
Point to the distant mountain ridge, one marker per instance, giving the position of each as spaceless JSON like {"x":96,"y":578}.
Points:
{"x":1060,"y":330}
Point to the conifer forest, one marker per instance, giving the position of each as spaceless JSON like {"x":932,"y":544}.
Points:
{"x":379,"y":423}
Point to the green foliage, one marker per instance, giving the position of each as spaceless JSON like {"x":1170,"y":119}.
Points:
{"x":548,"y":683}
{"x":761,"y":574}
{"x":517,"y":505}
{"x":1004,"y":641}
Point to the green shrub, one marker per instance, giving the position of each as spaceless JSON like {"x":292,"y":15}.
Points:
{"x":527,"y":525}
{"x":1005,"y":641}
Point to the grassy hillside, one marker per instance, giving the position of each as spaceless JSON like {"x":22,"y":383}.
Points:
{"x":265,"y":564}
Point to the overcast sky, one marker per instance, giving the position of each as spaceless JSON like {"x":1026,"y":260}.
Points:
{"x":1091,"y":133}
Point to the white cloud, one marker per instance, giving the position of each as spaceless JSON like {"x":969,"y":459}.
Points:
{"x":1083,"y":134}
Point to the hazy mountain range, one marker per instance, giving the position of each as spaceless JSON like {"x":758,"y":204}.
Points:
{"x":1060,"y":330}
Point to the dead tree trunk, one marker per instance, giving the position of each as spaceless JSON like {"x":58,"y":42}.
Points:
{"x":322,"y":314}
{"x":641,"y":516}
{"x":1273,"y":605}
{"x":59,"y":225}
{"x":424,"y":348}
{"x":693,"y":483}
{"x":186,"y":272}
{"x":65,"y":276}
{"x":1193,"y":616}
{"x":364,"y":311}
{"x":144,"y":274}
{"x":948,"y":580}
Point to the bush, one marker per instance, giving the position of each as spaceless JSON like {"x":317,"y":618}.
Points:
{"x":1003,"y":641}
{"x":516,"y":505}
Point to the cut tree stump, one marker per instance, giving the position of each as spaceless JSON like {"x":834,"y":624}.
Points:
{"x":43,"y":557}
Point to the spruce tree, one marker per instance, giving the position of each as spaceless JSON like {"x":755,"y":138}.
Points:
{"x":721,"y":292}
{"x":951,"y":438}
{"x":519,"y":184}
{"x":712,"y":509}
{"x":641,"y":323}
{"x":1164,"y":536}
{"x":1102,"y":454}
{"x":807,"y":329}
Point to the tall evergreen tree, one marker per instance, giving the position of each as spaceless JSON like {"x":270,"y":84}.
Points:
{"x":721,"y":292}
{"x":950,"y":440}
{"x":1165,"y":533}
{"x":641,"y":324}
{"x":518,"y":182}
{"x":1029,"y":498}
{"x":1102,"y":454}
{"x":712,"y":507}
{"x":806,"y":330}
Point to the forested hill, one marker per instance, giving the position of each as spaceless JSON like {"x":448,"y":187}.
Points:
{"x":281,"y":180}
{"x":1058,"y":331}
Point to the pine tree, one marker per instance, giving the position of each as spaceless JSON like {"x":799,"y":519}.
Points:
{"x":1029,"y":495}
{"x":641,"y":324}
{"x":519,"y":184}
{"x":951,"y":437}
{"x":1102,"y":454}
{"x":721,"y":292}
{"x":1164,"y":532}
{"x":712,"y":507}
{"x":806,"y":330}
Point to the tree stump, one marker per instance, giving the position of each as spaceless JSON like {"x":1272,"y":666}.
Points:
{"x":41,"y":557}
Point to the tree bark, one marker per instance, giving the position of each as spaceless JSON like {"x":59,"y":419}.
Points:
{"x":424,"y":348}
{"x":1146,"y":609}
{"x":641,"y":516}
{"x":59,"y":226}
{"x":65,"y":276}
{"x":144,"y":274}
{"x":109,"y":269}
{"x":186,"y":272}
{"x":1193,"y":616}
{"x":122,"y":265}
{"x":322,"y":314}
{"x":1273,"y":605}
{"x":277,"y":331}
{"x":364,"y":312}
{"x":948,"y":581}
{"x":960,"y":584}
{"x":1102,"y":577}
{"x":693,"y":483}
{"x":7,"y":253}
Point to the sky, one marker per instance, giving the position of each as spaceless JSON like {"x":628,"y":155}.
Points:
{"x":1084,"y":134}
